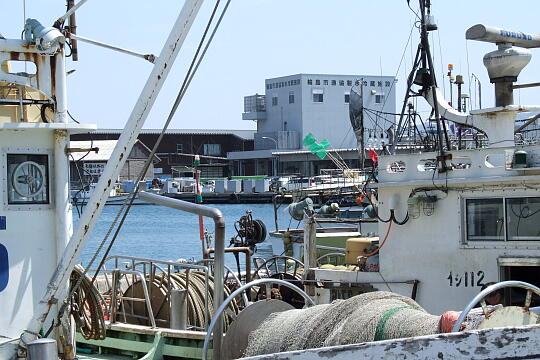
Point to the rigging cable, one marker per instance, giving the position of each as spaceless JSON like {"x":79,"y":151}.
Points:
{"x":187,"y":80}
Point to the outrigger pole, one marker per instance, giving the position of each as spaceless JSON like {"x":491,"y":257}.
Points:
{"x":128,"y":137}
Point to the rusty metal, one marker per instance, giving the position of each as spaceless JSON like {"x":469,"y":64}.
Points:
{"x":73,"y":30}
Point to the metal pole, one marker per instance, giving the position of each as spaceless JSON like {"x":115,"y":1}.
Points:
{"x":73,"y":30}
{"x":310,"y":250}
{"x":115,"y":164}
{"x":149,"y":57}
{"x":179,"y":309}
{"x":219,"y":260}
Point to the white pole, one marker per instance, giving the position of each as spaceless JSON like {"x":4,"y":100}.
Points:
{"x":114,"y":165}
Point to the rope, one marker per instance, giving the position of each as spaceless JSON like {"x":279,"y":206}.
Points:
{"x":87,"y":306}
{"x":379,"y":333}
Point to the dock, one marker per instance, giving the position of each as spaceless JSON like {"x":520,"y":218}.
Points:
{"x":226,"y":198}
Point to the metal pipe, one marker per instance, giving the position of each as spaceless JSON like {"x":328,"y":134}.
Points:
{"x":179,"y":312}
{"x":239,"y":291}
{"x":219,"y":260}
{"x":149,"y":57}
{"x":125,"y":143}
{"x":488,"y":290}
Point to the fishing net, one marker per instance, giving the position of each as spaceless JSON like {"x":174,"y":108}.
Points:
{"x":367,"y":317}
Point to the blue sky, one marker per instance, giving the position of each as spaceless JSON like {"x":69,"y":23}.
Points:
{"x":261,"y":39}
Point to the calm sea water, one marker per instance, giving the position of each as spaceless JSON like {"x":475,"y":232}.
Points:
{"x":167,"y":234}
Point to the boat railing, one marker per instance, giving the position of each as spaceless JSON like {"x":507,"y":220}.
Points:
{"x":470,"y":164}
{"x":153,"y":273}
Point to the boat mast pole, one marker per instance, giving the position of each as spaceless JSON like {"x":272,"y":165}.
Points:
{"x":114,"y":165}
{"x":425,"y":5}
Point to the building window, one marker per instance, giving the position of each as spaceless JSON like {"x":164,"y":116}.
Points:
{"x":310,"y":82}
{"x":325,"y":82}
{"x":274,"y":100}
{"x":379,"y":99}
{"x":387,"y":83}
{"x":318,"y":97}
{"x":212,"y":149}
{"x":179,"y":148}
{"x":267,"y":86}
{"x":317,"y":82}
{"x":341,"y":83}
{"x":334,"y":82}
{"x":289,"y":83}
{"x":485,"y":219}
{"x":372,"y":83}
{"x":347,"y":98}
{"x":291,"y":97}
{"x":349,"y":82}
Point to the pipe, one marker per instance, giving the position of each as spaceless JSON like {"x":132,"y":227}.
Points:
{"x":149,"y":57}
{"x":125,"y":143}
{"x":219,"y":260}
{"x":235,"y":294}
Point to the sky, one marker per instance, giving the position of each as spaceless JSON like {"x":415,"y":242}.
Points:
{"x":260,"y":39}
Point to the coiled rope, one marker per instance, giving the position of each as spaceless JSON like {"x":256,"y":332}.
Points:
{"x":87,"y":306}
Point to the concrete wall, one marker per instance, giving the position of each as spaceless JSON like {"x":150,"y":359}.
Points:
{"x":328,"y":119}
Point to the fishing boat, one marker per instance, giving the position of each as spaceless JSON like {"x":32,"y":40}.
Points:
{"x":126,"y":307}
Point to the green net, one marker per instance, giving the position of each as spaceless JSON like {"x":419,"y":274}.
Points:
{"x":319,"y":149}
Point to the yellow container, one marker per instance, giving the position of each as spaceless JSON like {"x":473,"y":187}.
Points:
{"x":354,"y":247}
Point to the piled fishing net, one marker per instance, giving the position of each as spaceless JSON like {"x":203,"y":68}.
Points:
{"x":367,"y":317}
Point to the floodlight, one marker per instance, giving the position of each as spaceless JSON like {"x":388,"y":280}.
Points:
{"x":45,"y":38}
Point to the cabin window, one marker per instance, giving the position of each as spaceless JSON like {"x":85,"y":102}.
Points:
{"x":485,"y":219}
{"x":503,"y":219}
{"x":522,"y":218}
{"x":28,"y":179}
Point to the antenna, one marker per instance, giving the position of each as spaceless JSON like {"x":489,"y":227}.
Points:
{"x":506,"y":63}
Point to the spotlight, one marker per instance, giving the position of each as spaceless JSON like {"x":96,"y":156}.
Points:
{"x":45,"y":38}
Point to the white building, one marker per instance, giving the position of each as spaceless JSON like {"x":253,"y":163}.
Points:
{"x":296,"y":105}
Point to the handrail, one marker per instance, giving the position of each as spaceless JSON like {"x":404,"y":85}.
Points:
{"x":219,"y":259}
{"x":235,"y":294}
{"x":236,"y":278}
{"x":145,"y":290}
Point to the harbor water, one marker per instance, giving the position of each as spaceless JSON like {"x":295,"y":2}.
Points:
{"x":162,"y":233}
